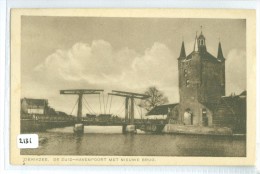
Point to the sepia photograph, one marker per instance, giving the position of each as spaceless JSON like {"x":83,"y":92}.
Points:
{"x":128,"y":88}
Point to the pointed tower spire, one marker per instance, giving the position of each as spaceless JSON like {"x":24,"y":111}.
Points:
{"x":202,"y":42}
{"x":196,"y":43}
{"x":183,"y":53}
{"x":220,"y":53}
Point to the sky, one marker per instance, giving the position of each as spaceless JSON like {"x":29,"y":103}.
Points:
{"x":127,"y":54}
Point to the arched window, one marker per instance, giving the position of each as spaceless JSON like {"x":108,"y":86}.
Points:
{"x":185,"y":73}
{"x":187,"y":82}
{"x":188,"y":117}
{"x":201,"y":42}
{"x":204,"y":117}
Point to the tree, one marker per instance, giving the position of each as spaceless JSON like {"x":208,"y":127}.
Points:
{"x":157,"y":98}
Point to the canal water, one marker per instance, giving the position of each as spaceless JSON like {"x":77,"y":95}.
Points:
{"x":108,"y":140}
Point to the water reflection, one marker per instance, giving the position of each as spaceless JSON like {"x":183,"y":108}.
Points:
{"x":78,"y":138}
{"x":128,"y":144}
{"x":64,"y":142}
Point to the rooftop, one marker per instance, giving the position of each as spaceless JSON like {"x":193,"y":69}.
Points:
{"x":36,"y":102}
{"x":161,"y":110}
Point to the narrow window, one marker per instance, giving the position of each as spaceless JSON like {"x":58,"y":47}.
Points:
{"x":204,"y":117}
{"x":187,"y":83}
{"x":185,"y":73}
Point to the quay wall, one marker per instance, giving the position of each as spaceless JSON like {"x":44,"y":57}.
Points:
{"x":199,"y":130}
{"x":31,"y":125}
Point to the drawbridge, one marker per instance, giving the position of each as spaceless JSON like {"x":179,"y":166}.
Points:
{"x":105,"y":107}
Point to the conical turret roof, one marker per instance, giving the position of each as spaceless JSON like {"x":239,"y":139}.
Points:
{"x":220,"y":53}
{"x":183,"y":53}
{"x":196,"y":44}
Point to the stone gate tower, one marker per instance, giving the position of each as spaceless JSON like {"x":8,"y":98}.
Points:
{"x":201,"y":82}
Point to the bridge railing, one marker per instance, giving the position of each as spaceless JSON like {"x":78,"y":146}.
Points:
{"x":47,"y":118}
{"x":150,"y":121}
{"x":68,"y":118}
{"x":56,"y":118}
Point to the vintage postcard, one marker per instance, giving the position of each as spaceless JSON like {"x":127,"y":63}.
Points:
{"x":132,"y":87}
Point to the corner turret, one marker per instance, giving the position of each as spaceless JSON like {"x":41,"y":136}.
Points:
{"x":196,"y":44}
{"x":183,"y":52}
{"x":220,"y":56}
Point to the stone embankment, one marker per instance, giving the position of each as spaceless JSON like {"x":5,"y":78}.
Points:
{"x":196,"y":130}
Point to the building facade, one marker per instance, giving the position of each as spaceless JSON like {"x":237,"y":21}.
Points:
{"x":201,"y":83}
{"x":203,"y":100}
{"x":34,"y":106}
{"x":231,"y":112}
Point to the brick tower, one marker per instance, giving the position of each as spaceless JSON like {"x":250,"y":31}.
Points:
{"x":201,"y":82}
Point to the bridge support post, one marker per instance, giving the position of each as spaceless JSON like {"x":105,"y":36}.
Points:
{"x":129,"y":126}
{"x":78,"y":128}
{"x":124,"y":128}
{"x":79,"y":115}
{"x":132,"y":111}
{"x":129,"y":117}
{"x":126,"y":110}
